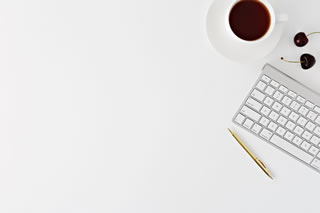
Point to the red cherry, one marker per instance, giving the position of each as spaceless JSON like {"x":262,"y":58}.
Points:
{"x":300,"y":39}
{"x":306,"y":60}
{"x":309,"y":61}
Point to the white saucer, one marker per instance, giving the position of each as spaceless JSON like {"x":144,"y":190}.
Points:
{"x":231,"y":48}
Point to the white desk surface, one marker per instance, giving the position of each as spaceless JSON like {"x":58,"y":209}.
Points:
{"x":123,"y":106}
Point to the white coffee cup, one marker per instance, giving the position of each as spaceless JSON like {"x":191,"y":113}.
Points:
{"x":274,"y":19}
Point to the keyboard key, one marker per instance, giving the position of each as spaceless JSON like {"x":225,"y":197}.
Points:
{"x":292,"y":94}
{"x":265,"y":78}
{"x":280,"y":131}
{"x":315,"y":140}
{"x":297,"y":141}
{"x":310,"y":126}
{"x":302,"y":121}
{"x":278,"y":95}
{"x":264,"y":121}
{"x":318,"y":120}
{"x":316,"y":163}
{"x":254,"y":104}
{"x":286,"y":100}
{"x":256,"y":128}
{"x":305,"y":145}
{"x":268,"y":101}
{"x":274,"y":116}
{"x":303,"y":111}
{"x":311,"y":115}
{"x":301,"y":100}
{"x":317,"y":131}
{"x":295,"y":151}
{"x":276,"y":106}
{"x":306,"y":135}
{"x":265,"y":110}
{"x":298,"y":130}
{"x":272,"y":126}
{"x":269,"y":90}
{"x":317,"y":109}
{"x":282,"y":120}
{"x":261,"y":85}
{"x":313,"y":150}
{"x":289,"y":136}
{"x":274,"y":84}
{"x":309,"y":104}
{"x":283,"y":89}
{"x":285,"y":111}
{"x":290,"y":125}
{"x":250,"y":113}
{"x":293,"y":116}
{"x":258,"y":95}
{"x":248,"y":124}
{"x":266,"y":134}
{"x":295,"y":105}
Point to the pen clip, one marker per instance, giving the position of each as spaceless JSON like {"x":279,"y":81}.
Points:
{"x":261,"y":163}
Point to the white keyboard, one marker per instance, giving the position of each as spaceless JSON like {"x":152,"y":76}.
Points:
{"x":285,"y":113}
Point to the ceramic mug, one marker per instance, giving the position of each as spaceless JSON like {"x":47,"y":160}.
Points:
{"x":274,"y":19}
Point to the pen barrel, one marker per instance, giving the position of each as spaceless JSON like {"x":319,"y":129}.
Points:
{"x":258,"y":162}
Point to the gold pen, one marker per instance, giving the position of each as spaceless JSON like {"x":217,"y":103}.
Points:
{"x":259,"y":162}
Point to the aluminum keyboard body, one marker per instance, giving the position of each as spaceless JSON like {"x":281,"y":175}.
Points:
{"x":285,"y":113}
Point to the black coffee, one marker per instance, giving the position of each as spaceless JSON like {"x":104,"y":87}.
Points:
{"x":249,"y":19}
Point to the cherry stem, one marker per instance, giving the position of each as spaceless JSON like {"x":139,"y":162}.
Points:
{"x":299,"y":62}
{"x":312,"y":33}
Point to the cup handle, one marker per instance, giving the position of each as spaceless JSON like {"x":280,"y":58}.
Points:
{"x":282,"y":18}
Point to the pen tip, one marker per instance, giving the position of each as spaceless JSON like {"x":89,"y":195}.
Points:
{"x":230,"y":131}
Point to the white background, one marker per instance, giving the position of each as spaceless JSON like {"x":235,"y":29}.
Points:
{"x":123,"y":106}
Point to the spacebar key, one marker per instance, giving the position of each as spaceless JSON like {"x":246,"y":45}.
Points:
{"x":283,"y":144}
